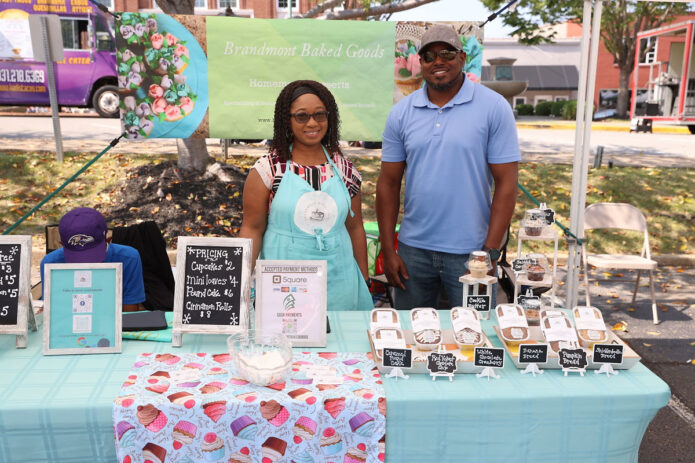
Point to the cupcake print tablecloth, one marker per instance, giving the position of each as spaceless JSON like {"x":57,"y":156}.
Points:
{"x":196,"y":408}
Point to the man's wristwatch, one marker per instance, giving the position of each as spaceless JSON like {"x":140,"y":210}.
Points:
{"x":493,"y":253}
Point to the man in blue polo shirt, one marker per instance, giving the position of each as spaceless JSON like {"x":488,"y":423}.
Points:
{"x":452,"y":138}
{"x":83,"y":236}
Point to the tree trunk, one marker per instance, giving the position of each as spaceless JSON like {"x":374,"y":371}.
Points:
{"x":193,"y":155}
{"x":622,"y":109}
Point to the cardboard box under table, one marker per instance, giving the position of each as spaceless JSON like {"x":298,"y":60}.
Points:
{"x":59,"y":409}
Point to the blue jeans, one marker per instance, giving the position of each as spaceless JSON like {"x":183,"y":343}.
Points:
{"x":427,"y":272}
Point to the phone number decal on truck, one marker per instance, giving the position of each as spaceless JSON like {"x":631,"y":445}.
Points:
{"x":23,"y":76}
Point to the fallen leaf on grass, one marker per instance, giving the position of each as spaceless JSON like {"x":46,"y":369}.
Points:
{"x":620,"y":326}
{"x":654,"y":333}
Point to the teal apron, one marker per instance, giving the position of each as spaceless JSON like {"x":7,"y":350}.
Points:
{"x":304,"y":224}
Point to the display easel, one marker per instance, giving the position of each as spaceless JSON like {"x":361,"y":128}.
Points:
{"x":548,"y":233}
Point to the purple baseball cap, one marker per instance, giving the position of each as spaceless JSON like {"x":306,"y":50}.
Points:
{"x":83,"y":234}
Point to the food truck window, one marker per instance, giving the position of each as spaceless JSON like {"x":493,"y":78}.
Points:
{"x":103,"y":34}
{"x":74,"y":33}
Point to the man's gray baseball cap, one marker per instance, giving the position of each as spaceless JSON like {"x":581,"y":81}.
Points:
{"x":440,"y":33}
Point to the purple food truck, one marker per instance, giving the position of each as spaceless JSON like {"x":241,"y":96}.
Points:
{"x":85,"y":77}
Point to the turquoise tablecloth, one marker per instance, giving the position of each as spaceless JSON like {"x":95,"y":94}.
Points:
{"x":58,"y":408}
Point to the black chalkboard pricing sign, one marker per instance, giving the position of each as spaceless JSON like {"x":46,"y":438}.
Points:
{"x":212,"y":286}
{"x":16,"y":314}
{"x":441,"y":364}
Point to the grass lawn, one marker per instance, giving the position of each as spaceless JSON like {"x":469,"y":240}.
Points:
{"x":665,"y":195}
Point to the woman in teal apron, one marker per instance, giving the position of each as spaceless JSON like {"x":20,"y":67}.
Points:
{"x":312,"y":213}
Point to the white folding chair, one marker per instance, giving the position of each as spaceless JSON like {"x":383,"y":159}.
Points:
{"x":623,"y":217}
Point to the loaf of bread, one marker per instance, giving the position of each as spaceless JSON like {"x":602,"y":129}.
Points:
{"x":426,"y":327}
{"x":512,"y":322}
{"x":590,"y":325}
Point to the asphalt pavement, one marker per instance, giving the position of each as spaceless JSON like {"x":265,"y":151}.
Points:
{"x":668,"y":348}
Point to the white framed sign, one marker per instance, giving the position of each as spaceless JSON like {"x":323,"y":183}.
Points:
{"x":291,"y":299}
{"x":16,"y":314}
{"x":82,"y":308}
{"x":213,"y":277}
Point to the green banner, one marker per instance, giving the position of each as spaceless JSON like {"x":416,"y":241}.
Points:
{"x":250,"y":61}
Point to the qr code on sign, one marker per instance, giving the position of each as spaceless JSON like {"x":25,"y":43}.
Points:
{"x":82,"y":324}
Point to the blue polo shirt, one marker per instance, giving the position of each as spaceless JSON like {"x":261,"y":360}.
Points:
{"x":133,"y":284}
{"x":448,"y":184}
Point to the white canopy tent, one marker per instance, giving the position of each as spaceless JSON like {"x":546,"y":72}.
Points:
{"x":591,"y":36}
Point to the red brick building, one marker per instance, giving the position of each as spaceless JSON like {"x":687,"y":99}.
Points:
{"x":608,"y":73}
{"x":248,"y":8}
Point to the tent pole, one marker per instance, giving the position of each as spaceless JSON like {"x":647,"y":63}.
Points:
{"x":573,"y":256}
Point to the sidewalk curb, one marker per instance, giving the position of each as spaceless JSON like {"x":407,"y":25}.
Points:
{"x":664,"y":260}
{"x":605,"y":128}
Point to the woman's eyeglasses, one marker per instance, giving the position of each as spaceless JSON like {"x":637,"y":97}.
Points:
{"x":446,"y":55}
{"x":303,"y":118}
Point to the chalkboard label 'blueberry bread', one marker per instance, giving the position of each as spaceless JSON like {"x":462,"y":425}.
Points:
{"x":427,"y":330}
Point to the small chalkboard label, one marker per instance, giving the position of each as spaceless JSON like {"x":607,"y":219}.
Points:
{"x":572,"y":358}
{"x":549,"y":216}
{"x":521,"y":263}
{"x":481,"y":303}
{"x":397,"y":358}
{"x":10,"y":258}
{"x":441,"y":362}
{"x":533,"y":353}
{"x":212,"y":285}
{"x":489,"y":357}
{"x":608,"y":353}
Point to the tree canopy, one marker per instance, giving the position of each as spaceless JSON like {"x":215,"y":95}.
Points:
{"x":621,"y":20}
